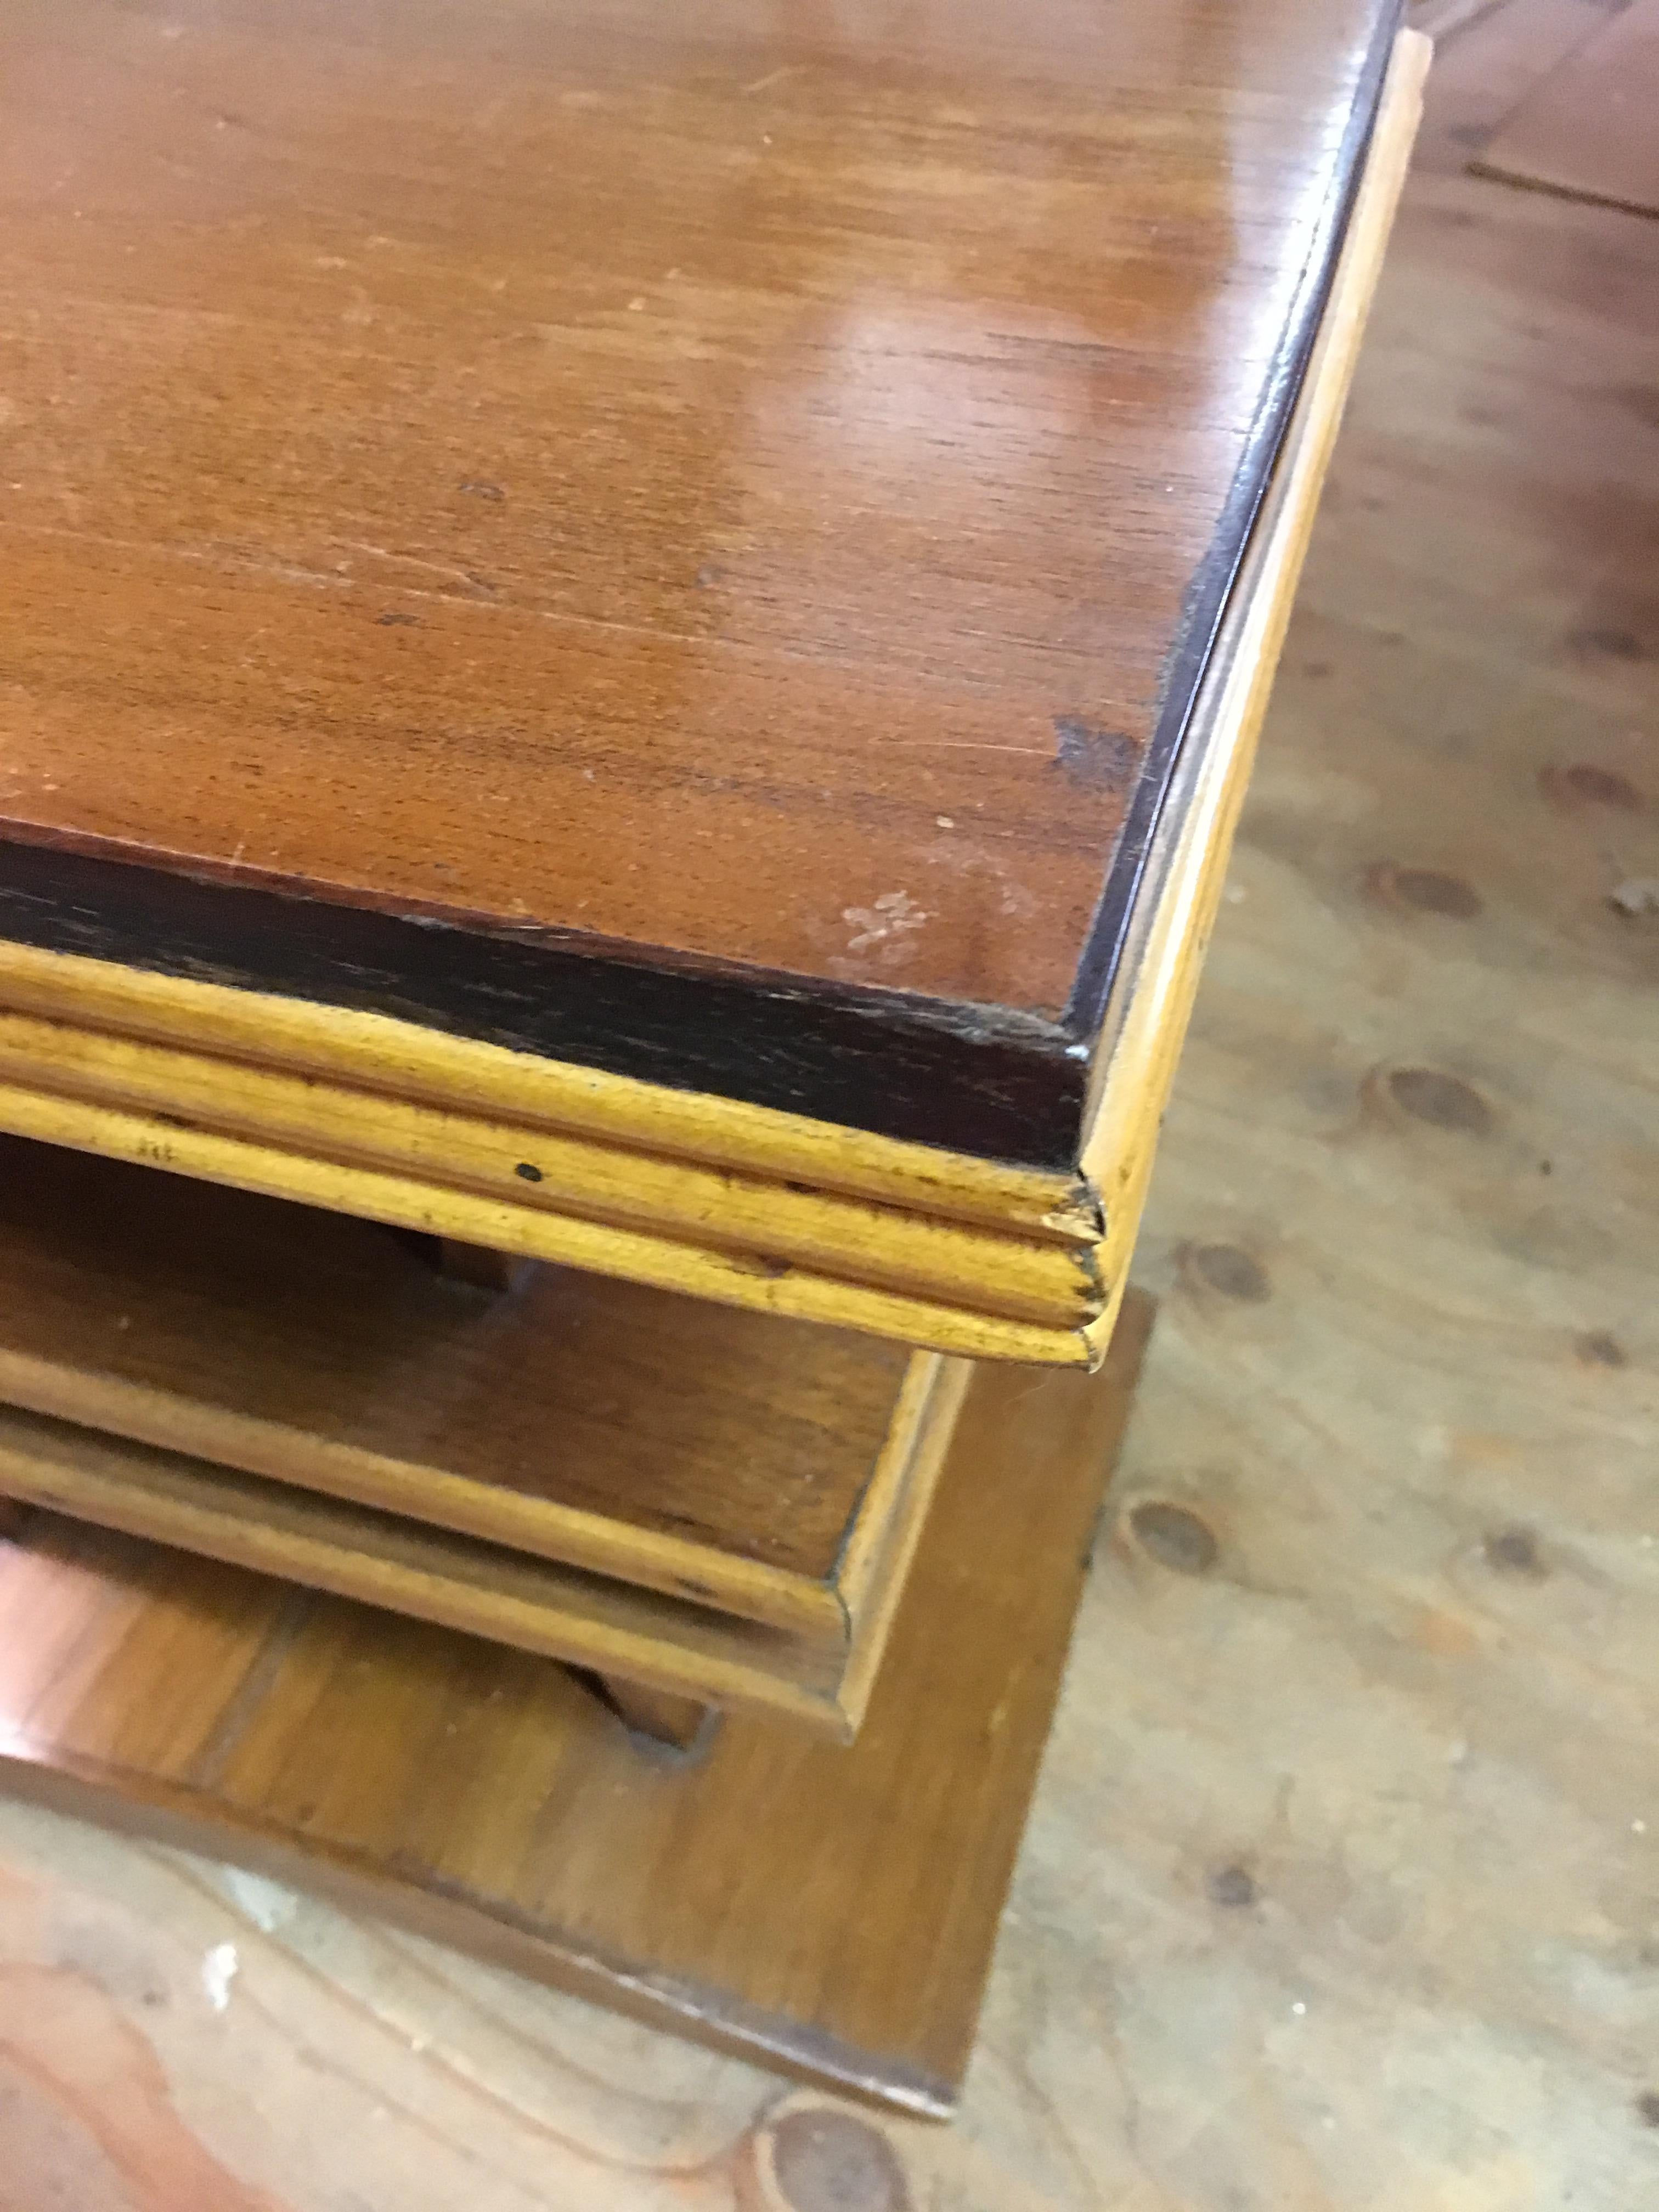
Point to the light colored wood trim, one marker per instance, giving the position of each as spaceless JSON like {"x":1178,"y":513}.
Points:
{"x":154,"y":1141}
{"x":1146,"y":1018}
{"x":609,"y":1624}
{"x":198,"y":1706}
{"x":894,"y":1538}
{"x":924,"y":1389}
{"x":693,"y":1193}
{"x":541,"y":1173}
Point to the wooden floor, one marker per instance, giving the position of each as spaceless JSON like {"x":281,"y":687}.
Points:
{"x":1340,"y":1890}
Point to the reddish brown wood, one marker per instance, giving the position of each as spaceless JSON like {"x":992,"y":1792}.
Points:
{"x":322,"y":1335}
{"x":742,"y":488}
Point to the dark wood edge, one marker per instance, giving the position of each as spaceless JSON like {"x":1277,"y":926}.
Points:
{"x":1206,"y":597}
{"x":962,"y":1079}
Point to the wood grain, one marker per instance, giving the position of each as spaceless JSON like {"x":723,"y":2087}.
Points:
{"x":472,"y":1792}
{"x":818,"y":1666}
{"x":1355,"y":1765}
{"x":521,"y":477}
{"x":1587,"y":130}
{"x":603,"y":1626}
{"x":753,"y":1465}
{"x":541,"y":1172}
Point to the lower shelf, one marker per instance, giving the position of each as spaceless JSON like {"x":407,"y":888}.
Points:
{"x":712,"y":1505}
{"x":668,"y":1645}
{"x":830,"y":1911}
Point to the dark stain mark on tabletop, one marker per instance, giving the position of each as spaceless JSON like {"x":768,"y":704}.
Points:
{"x":1097,"y":758}
{"x":1647,"y":2108}
{"x":526,"y":1172}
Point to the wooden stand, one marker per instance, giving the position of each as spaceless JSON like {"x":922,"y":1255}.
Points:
{"x":356,"y":1552}
{"x":830,"y":1909}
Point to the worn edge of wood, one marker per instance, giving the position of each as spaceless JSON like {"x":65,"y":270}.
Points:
{"x":1213,"y":590}
{"x":162,"y":1814}
{"x":922,"y":1395}
{"x":386,"y":1056}
{"x":456,"y":1583}
{"x":607,"y":1618}
{"x":879,"y":1059}
{"x":726,"y":1213}
{"x":1037,"y":1289}
{"x":892,"y":1541}
{"x":1158,"y":976}
{"x":756,"y":1284}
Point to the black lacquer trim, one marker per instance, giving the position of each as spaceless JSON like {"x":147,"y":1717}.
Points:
{"x":970,"y":1080}
{"x":1207,"y":597}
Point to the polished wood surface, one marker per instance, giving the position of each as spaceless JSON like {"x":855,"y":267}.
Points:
{"x":725,"y":510}
{"x":700,"y":1451}
{"x":1338,"y":1889}
{"x":829,"y":1910}
{"x":706,"y":1196}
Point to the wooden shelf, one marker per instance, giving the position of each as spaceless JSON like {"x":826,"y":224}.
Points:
{"x":718,"y":1503}
{"x":829,"y":1910}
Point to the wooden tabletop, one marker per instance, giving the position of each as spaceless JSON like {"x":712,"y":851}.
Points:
{"x":680,"y":540}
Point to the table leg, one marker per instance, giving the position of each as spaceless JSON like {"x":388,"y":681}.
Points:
{"x":660,"y":1717}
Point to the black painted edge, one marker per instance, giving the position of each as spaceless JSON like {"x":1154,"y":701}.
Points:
{"x":1207,"y":595}
{"x":964,"y":1079}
